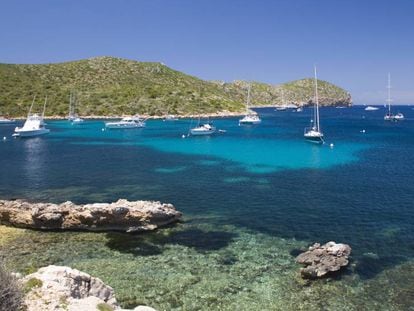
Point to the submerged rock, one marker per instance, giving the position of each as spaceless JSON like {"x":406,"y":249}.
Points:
{"x":122,"y":215}
{"x":61,"y":288}
{"x":321,"y":260}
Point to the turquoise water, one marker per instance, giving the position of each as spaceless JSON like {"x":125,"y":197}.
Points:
{"x":251,"y":197}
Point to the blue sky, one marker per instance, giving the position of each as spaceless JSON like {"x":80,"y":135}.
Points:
{"x":353,"y":43}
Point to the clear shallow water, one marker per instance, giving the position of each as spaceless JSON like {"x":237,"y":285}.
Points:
{"x":250,"y":196}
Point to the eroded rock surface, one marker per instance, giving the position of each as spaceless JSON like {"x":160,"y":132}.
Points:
{"x":59,"y":288}
{"x":320,"y":260}
{"x":122,"y":215}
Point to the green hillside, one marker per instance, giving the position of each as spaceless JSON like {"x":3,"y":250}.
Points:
{"x":115,"y":86}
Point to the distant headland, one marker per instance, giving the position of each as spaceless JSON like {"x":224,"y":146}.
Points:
{"x":114,"y":86}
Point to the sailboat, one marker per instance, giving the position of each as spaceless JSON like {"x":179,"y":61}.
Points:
{"x":251,"y":117}
{"x":314,"y":133}
{"x":389,"y":116}
{"x":73,"y":117}
{"x":34,"y":125}
{"x":203,"y":129}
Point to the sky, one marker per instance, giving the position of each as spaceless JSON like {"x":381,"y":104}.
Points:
{"x":354,"y":44}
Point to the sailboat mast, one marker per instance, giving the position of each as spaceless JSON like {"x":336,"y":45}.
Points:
{"x":31,"y":106}
{"x":389,"y":93}
{"x":316,"y":102}
{"x":248,"y":99}
{"x":44,"y":107}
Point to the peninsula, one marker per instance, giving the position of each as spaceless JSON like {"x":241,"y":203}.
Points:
{"x":115,"y":86}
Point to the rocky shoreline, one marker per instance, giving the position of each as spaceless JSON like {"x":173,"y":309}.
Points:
{"x":59,"y":288}
{"x":123,"y":215}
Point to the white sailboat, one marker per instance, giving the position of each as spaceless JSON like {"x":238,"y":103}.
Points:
{"x":389,"y":116}
{"x":251,"y":117}
{"x":73,"y":117}
{"x":34,"y":125}
{"x":203,"y":129}
{"x":314,"y":133}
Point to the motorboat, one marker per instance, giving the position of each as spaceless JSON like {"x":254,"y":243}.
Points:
{"x":34,"y":124}
{"x":314,"y":134}
{"x":399,"y":116}
{"x":371,"y":108}
{"x":251,"y":117}
{"x":170,"y":117}
{"x":126,"y":123}
{"x":203,"y":129}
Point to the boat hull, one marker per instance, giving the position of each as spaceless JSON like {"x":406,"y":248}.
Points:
{"x":249,"y":122}
{"x":30,"y":133}
{"x":315,"y":140}
{"x":114,"y":126}
{"x":195,"y":132}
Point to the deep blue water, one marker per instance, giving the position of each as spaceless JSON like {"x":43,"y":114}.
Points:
{"x":263,"y":178}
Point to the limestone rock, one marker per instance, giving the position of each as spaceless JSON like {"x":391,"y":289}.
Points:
{"x":59,"y":288}
{"x":122,"y":215}
{"x":321,"y":260}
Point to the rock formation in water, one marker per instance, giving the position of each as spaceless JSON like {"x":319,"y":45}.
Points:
{"x":321,"y":260}
{"x":122,"y":215}
{"x":58,"y":288}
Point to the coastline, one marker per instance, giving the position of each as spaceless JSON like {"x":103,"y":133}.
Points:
{"x":222,"y":114}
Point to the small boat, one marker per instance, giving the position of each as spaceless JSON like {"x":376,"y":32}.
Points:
{"x":251,"y":117}
{"x":170,"y":117}
{"x":4,"y":120}
{"x":73,"y":117}
{"x":300,"y":109}
{"x":389,"y":116}
{"x":126,"y":123}
{"x":203,"y":129}
{"x":77,"y":120}
{"x":34,"y":125}
{"x":371,"y":108}
{"x":314,"y":133}
{"x":399,"y":116}
{"x":284,"y":105}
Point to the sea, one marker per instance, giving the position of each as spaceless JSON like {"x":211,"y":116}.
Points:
{"x":253,"y":198}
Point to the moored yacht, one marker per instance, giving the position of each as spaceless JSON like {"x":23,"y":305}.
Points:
{"x":251,"y":117}
{"x":34,"y":125}
{"x":73,"y":117}
{"x":314,"y":133}
{"x":389,"y":116}
{"x":203,"y":129}
{"x":126,"y":123}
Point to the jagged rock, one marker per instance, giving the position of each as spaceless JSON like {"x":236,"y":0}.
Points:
{"x":59,"y":288}
{"x":122,"y":215}
{"x":321,"y":260}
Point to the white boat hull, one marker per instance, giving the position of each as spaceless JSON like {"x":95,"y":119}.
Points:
{"x":30,"y":133}
{"x":203,"y":130}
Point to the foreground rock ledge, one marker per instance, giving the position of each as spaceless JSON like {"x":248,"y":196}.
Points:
{"x":60,"y":288}
{"x":321,"y":260}
{"x":135,"y":216}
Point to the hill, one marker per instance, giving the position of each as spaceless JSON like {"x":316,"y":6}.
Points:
{"x":115,"y":86}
